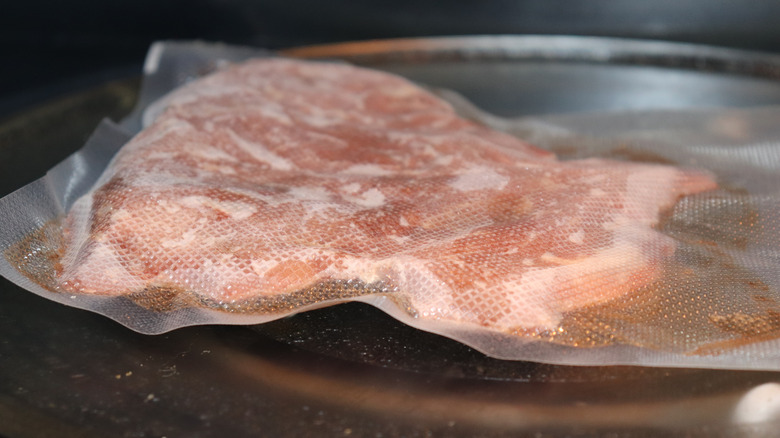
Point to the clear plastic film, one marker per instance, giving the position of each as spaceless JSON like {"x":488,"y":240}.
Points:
{"x":691,"y":281}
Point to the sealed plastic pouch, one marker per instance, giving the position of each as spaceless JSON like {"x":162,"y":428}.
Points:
{"x":274,"y":186}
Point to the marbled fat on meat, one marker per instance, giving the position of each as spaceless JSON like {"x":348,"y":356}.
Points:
{"x":275,"y":175}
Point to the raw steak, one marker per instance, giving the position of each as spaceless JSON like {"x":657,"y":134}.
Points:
{"x":275,"y":176}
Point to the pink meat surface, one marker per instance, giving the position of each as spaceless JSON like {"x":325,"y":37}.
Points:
{"x":275,"y":175}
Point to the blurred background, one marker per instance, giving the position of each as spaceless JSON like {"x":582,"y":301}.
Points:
{"x":52,"y":47}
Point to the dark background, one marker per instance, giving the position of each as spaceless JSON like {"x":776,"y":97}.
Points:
{"x":51,"y":47}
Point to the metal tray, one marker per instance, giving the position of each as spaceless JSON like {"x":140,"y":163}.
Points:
{"x":351,"y":370}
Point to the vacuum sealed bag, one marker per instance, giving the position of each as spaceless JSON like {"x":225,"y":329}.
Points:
{"x":248,"y":187}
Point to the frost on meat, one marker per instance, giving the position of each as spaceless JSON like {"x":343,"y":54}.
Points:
{"x":278,"y":176}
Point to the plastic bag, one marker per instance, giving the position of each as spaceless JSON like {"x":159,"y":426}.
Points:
{"x":714,"y":305}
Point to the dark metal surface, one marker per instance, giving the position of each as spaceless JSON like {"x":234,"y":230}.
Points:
{"x":47,"y":45}
{"x":351,"y":370}
{"x":522,"y":75}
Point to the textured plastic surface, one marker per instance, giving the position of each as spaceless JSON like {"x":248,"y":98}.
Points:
{"x":708,"y":297}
